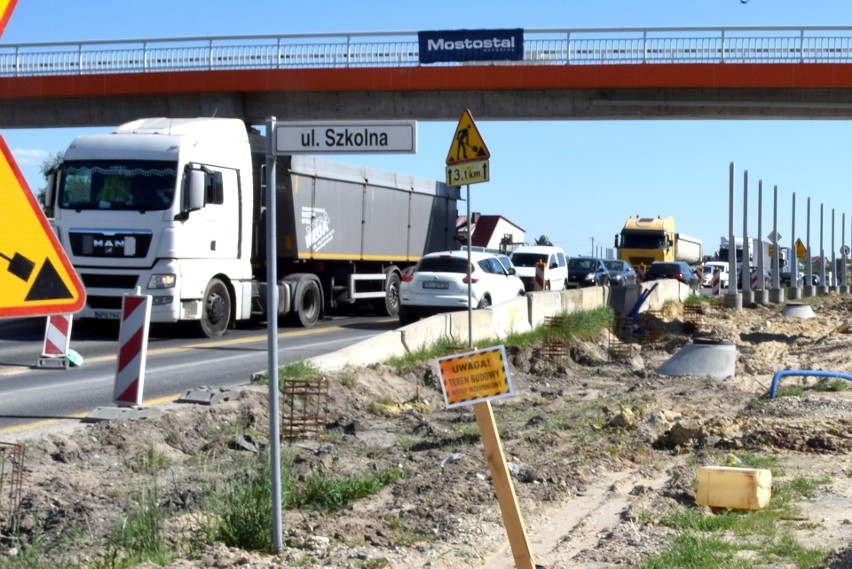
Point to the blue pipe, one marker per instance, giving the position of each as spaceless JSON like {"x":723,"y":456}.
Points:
{"x":815,"y":373}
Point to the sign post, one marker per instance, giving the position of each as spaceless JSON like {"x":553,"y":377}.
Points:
{"x":476,"y":377}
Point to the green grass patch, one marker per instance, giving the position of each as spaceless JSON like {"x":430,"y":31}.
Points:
{"x":301,"y":369}
{"x":831,"y":384}
{"x":239,"y":509}
{"x":705,"y":540}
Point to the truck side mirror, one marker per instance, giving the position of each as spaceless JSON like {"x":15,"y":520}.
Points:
{"x":193,"y":198}
{"x":50,"y":189}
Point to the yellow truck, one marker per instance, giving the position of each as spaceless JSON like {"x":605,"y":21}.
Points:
{"x":644,"y":240}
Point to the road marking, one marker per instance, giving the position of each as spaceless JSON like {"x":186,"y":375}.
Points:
{"x":78,"y":416}
{"x":162,"y":351}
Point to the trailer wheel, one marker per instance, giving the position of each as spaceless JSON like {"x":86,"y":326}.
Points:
{"x":215,"y":309}
{"x":307,"y":303}
{"x":391,"y":304}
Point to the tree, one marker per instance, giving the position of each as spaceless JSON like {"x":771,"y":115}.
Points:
{"x":543,"y":240}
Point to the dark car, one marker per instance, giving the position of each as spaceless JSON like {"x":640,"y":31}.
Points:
{"x":620,"y":272}
{"x":587,"y":271}
{"x":672,"y":270}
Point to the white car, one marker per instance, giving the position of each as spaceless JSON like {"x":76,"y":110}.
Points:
{"x":439,"y":284}
{"x":526,"y":257}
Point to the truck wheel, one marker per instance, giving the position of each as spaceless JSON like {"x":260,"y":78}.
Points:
{"x":390,"y":307}
{"x":215,"y":309}
{"x":307,"y":303}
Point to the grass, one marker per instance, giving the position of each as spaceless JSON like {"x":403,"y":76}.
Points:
{"x":728,"y":539}
{"x":240,"y":515}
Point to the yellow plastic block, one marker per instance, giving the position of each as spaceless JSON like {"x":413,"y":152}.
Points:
{"x":734,"y":488}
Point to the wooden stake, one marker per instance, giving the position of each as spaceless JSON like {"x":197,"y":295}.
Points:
{"x":503,"y":487}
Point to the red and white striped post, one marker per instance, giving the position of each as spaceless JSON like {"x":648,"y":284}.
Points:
{"x":539,"y":276}
{"x":132,"y":350}
{"x":57,"y":337}
{"x":716,"y":283}
{"x":754,"y":282}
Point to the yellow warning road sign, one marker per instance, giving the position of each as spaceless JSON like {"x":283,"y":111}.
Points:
{"x":6,"y":7}
{"x":801,"y":252}
{"x":474,"y":377}
{"x":467,"y":144}
{"x":36,"y":278}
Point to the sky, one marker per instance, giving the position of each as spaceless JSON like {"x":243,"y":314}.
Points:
{"x":581,"y":180}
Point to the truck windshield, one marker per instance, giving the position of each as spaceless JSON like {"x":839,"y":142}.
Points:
{"x":643,"y":241}
{"x":108,"y":184}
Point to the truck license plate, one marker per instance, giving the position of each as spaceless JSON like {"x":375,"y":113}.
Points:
{"x":108,"y":314}
{"x":436,"y":284}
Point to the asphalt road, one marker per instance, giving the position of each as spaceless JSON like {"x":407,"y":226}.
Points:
{"x":176,"y":362}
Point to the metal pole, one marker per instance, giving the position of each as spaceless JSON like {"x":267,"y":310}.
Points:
{"x":732,"y":299}
{"x":776,"y":245}
{"x":821,"y":287}
{"x":833,"y":254}
{"x":272,"y":341}
{"x":469,"y":278}
{"x":745,"y":271}
{"x":844,"y":288}
{"x":759,"y":252}
{"x":809,"y":279}
{"x":793,"y":261}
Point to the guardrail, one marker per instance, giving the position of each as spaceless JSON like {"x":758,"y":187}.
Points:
{"x":400,"y":49}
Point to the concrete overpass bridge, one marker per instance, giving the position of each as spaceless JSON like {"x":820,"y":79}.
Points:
{"x":650,"y":73}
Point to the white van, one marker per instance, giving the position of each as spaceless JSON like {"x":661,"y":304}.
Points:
{"x":556,"y":269}
{"x":709,"y":267}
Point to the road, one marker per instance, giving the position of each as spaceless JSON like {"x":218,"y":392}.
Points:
{"x":177,"y":361}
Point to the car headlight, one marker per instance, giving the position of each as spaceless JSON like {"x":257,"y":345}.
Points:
{"x":590,"y":277}
{"x":162,"y":281}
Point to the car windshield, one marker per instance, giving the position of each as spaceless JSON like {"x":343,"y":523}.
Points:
{"x":131,"y":184}
{"x":581,"y":264}
{"x":528,"y":259}
{"x":664,"y":269}
{"x":613,"y":265}
{"x":443,"y":265}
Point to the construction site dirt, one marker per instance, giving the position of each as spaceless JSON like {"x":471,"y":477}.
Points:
{"x":602,"y":450}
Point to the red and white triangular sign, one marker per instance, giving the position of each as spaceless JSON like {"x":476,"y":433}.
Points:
{"x":36,"y":278}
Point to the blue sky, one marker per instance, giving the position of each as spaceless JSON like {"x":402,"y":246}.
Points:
{"x":574,"y":181}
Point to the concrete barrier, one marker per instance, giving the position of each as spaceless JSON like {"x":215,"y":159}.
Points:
{"x":496,"y":322}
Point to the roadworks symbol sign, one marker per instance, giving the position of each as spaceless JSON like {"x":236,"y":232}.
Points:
{"x":36,"y":278}
{"x":467,"y":145}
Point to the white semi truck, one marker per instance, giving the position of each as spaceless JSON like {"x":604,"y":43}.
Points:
{"x":177,"y":207}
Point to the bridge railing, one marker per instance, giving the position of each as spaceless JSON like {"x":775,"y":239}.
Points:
{"x":400,"y":49}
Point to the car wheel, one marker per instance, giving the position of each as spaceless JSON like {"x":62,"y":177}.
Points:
{"x":485,"y":302}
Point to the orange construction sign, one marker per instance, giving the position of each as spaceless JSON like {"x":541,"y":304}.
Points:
{"x":36,"y":278}
{"x":467,"y":145}
{"x":474,"y":377}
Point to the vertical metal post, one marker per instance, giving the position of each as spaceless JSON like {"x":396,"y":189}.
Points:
{"x":272,"y":340}
{"x":759,"y":252}
{"x":808,"y":289}
{"x":821,"y":286}
{"x":732,"y":299}
{"x":745,"y":271}
{"x":776,"y":294}
{"x":833,"y":255}
{"x":793,"y":261}
{"x":844,"y":288}
{"x":469,"y":277}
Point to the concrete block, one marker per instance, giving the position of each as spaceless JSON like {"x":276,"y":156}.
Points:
{"x":734,"y":488}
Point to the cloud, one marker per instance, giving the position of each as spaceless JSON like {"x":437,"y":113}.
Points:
{"x":30,"y":157}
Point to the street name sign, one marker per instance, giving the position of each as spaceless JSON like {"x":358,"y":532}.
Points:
{"x":346,"y":137}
